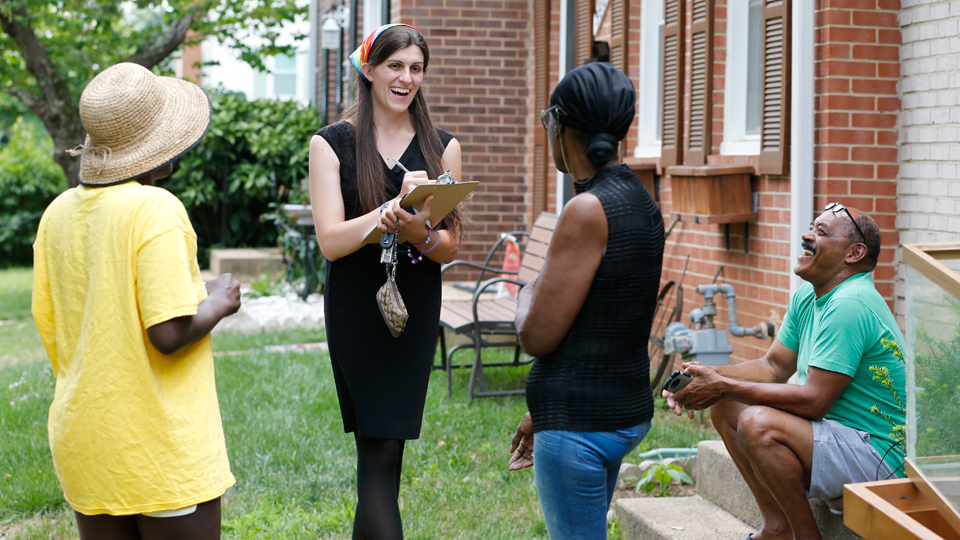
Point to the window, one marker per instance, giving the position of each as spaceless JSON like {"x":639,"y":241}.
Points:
{"x":743,"y":105}
{"x":651,"y":74}
{"x":284,"y":75}
{"x":754,"y":68}
{"x":756,"y":114}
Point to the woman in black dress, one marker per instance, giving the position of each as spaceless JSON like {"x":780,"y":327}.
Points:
{"x":356,"y":185}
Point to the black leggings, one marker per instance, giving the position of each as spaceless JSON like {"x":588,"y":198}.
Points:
{"x":204,"y":524}
{"x":379,"y":462}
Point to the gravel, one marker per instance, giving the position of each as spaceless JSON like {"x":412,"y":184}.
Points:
{"x":273,"y":313}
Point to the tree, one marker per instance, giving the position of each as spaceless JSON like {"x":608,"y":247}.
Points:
{"x":49,"y":50}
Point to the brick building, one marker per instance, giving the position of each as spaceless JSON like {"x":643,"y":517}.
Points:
{"x":477,"y":88}
{"x":752,"y":115}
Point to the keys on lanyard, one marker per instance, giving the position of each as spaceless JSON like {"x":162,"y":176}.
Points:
{"x":388,"y":246}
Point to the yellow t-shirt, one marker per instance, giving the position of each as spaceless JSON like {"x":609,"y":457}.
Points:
{"x":131,"y":430}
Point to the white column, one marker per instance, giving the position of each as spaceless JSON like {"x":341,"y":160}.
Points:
{"x":801,"y":129}
{"x":312,"y":56}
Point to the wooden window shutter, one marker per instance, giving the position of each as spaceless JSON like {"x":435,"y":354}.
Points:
{"x":672,"y":80}
{"x":619,"y":17}
{"x":701,"y":83}
{"x":541,"y":151}
{"x":584,"y":30}
{"x":775,"y":127}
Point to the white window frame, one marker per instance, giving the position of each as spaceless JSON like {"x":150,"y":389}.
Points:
{"x":650,"y":101}
{"x":735,"y":141}
{"x":296,"y":77}
{"x":372,"y":17}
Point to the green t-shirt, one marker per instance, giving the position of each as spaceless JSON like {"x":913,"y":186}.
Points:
{"x":841,"y":332}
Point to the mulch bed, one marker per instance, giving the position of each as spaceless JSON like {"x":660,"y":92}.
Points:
{"x":685,"y":490}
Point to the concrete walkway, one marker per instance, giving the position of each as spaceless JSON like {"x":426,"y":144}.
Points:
{"x":288,"y":312}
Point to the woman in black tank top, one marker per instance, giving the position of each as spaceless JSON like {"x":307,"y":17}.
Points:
{"x":357,"y":177}
{"x":587,"y":317}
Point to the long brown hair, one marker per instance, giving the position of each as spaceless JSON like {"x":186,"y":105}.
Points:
{"x":370,"y":183}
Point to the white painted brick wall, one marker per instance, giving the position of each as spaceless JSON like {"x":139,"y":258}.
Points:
{"x":929,"y":187}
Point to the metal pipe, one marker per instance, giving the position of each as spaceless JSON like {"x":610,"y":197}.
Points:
{"x":761,"y":331}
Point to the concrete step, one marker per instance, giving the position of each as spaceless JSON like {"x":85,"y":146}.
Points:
{"x":723,"y":508}
{"x":677,"y":518}
{"x":719,"y":481}
{"x":247,"y":264}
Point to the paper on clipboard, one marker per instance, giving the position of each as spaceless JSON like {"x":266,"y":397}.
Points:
{"x":445,"y":198}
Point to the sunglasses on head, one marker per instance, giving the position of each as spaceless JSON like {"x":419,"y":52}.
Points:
{"x":555,"y":111}
{"x":837,"y":207}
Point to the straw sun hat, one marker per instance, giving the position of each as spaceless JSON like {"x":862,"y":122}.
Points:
{"x":137,"y":122}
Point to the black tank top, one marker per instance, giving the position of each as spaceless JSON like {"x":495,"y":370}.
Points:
{"x":598,"y":379}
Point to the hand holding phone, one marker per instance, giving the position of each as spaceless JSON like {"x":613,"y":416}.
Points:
{"x":676,"y":381}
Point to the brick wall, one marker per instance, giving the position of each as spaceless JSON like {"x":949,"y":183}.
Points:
{"x":856,"y":138}
{"x":477,"y":88}
{"x":757,"y":264}
{"x":929,"y":193}
{"x":857,"y":103}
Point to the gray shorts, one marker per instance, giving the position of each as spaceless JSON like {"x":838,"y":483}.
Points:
{"x":842,"y":455}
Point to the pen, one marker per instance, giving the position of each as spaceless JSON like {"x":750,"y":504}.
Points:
{"x":404,"y":169}
{"x":397,"y":161}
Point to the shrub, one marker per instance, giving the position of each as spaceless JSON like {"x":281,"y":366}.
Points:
{"x":305,"y":264}
{"x":29,"y":180}
{"x":257,"y":148}
{"x":661,"y":478}
{"x":937,"y":381}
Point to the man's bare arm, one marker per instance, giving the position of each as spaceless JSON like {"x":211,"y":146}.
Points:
{"x":760,"y":382}
{"x":775,"y":366}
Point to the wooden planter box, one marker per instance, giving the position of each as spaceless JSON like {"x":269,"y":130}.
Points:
{"x":645,"y":171}
{"x":712,"y":193}
{"x":895,"y":510}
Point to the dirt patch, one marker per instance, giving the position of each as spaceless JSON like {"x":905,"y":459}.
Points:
{"x":7,"y":531}
{"x":685,"y":490}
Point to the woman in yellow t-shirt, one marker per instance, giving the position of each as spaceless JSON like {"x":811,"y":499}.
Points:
{"x":134,"y":426}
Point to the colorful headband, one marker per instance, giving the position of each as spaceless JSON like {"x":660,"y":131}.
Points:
{"x":362,"y":54}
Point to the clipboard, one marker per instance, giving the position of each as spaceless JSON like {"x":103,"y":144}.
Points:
{"x":445,"y":198}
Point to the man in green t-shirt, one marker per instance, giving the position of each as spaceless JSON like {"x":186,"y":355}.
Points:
{"x":791,"y":442}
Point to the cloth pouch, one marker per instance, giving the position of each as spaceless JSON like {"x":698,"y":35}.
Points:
{"x":391,"y":305}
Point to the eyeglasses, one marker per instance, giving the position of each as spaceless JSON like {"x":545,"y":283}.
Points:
{"x":837,"y":207}
{"x":555,"y":111}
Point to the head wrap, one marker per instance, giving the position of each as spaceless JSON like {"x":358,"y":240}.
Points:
{"x":362,"y":54}
{"x":596,"y":98}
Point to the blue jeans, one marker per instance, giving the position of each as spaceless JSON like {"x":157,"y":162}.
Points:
{"x":576,"y":473}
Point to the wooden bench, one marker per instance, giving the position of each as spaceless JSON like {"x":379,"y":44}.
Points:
{"x":485,"y":316}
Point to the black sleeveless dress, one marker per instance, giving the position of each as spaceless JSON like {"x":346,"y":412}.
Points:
{"x":381,"y":380}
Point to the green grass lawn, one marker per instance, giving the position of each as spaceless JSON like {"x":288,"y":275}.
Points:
{"x":295,"y":467}
{"x":16,"y":285}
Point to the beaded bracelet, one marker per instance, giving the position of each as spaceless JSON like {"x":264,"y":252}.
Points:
{"x":418,"y":246}
{"x":428,"y":239}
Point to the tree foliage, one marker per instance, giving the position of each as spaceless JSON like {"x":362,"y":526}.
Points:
{"x":29,"y":181}
{"x":260,"y":149}
{"x":49,"y":50}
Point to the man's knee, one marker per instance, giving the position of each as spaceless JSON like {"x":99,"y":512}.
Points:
{"x":757,"y":425}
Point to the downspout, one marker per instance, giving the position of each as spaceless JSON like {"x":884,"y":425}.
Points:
{"x":314,"y":44}
{"x":802,"y":129}
{"x":567,"y":61}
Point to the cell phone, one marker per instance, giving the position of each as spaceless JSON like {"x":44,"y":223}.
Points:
{"x":676,"y":381}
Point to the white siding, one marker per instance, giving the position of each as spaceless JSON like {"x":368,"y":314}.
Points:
{"x":928,"y":188}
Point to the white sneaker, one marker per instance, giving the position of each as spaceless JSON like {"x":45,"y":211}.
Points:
{"x":836,"y":506}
